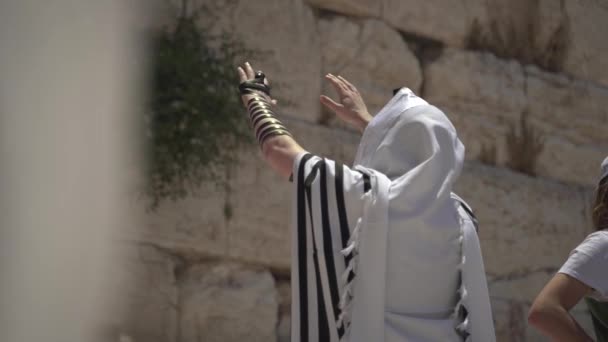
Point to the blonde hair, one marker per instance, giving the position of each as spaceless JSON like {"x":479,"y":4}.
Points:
{"x":600,"y":209}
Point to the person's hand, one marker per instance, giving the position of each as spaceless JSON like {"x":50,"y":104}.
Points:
{"x":246,"y":73}
{"x":351,"y":107}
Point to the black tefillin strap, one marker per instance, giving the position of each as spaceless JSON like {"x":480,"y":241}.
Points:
{"x":257,"y":84}
{"x":262,"y":118}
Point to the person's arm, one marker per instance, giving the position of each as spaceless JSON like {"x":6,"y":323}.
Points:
{"x":278,"y":146}
{"x":281,"y":150}
{"x":550,"y":311}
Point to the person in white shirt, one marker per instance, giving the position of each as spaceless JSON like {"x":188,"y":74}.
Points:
{"x":583,"y":275}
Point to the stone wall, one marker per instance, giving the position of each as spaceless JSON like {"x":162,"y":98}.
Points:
{"x":215,"y":266}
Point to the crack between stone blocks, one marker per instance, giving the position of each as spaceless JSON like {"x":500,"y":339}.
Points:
{"x":426,"y":51}
{"x":181,"y":263}
{"x":177,"y":262}
{"x":422,"y":67}
{"x":517,"y":275}
{"x":188,"y":258}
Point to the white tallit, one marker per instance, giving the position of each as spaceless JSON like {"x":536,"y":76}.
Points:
{"x":385,"y":251}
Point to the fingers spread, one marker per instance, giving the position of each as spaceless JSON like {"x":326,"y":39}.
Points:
{"x":348,"y":84}
{"x":249,"y":71}
{"x":337,"y":84}
{"x":331,"y":104}
{"x":242,"y":75}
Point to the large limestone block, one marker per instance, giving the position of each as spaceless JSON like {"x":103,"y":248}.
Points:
{"x":250,"y":220}
{"x":369,"y":54}
{"x":588,"y":53}
{"x":526,"y":224}
{"x":283,"y":37}
{"x":284,"y":327}
{"x":485,"y":138}
{"x":521,"y":287}
{"x":478,"y":82}
{"x":566,"y":161}
{"x":285,"y":32}
{"x":486,"y":96}
{"x":358,"y":8}
{"x":447,"y":21}
{"x":530,"y":31}
{"x":226,"y":303}
{"x":509,"y":320}
{"x":573,"y":116}
{"x":577,"y":109}
{"x":146,"y":307}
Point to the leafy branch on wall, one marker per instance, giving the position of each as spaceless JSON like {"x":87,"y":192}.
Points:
{"x":194,"y":123}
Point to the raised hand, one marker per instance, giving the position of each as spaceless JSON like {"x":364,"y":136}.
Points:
{"x":350,"y":107}
{"x":246,"y":73}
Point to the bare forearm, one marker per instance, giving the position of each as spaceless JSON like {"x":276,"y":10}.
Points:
{"x":280,"y":152}
{"x":556,"y":323}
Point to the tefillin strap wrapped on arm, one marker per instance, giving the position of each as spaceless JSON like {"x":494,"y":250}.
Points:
{"x":261,"y":116}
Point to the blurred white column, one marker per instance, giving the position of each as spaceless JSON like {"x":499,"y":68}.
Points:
{"x":69,"y":72}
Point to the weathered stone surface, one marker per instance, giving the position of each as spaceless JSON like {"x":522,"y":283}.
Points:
{"x":509,"y":320}
{"x":521,"y":287}
{"x":573,"y":116}
{"x":145,"y":285}
{"x":283,"y":37}
{"x":358,"y":8}
{"x":527,"y":224}
{"x":531,"y":30}
{"x":560,"y":159}
{"x":443,"y":20}
{"x":446,"y":21}
{"x":577,"y":110}
{"x":484,"y":96}
{"x":588,"y":52}
{"x":285,"y":32}
{"x":369,"y":54}
{"x":284,"y":327}
{"x":476,"y":82}
{"x":250,"y":221}
{"x":226,"y":302}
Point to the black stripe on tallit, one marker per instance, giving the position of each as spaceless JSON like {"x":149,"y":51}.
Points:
{"x":328,"y":248}
{"x":471,"y":214}
{"x":344,"y":229}
{"x":302,"y":250}
{"x":323,"y":325}
{"x":367,"y":184}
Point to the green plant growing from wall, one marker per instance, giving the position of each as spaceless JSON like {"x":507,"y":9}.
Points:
{"x":195,"y":122}
{"x":524,"y":145}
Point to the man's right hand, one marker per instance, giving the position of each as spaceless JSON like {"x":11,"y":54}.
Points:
{"x":351,"y":107}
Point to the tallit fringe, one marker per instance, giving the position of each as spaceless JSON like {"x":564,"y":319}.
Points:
{"x":352,"y":250}
{"x":463,"y":328}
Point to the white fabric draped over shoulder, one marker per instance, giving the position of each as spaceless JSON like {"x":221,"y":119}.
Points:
{"x":385,"y":251}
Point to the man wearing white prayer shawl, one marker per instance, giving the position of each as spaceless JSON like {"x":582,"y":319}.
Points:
{"x":382,"y":251}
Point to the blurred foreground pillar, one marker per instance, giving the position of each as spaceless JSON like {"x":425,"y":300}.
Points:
{"x":68,"y":91}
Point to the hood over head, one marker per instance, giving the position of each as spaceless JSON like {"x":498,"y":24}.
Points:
{"x":416,"y":146}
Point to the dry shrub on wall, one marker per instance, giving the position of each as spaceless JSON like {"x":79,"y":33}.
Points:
{"x":513,"y":32}
{"x":487,"y":154}
{"x":524,"y":145}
